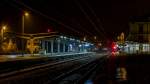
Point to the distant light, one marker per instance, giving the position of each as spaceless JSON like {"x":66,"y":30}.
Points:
{"x":72,"y":39}
{"x":65,"y":37}
{"x":78,"y":40}
{"x":117,"y":45}
{"x":88,"y":82}
{"x":48,"y":30}
{"x":70,"y":45}
{"x":99,"y":44}
{"x":113,"y":53}
{"x":80,"y":45}
{"x":4,"y":27}
{"x":84,"y":38}
{"x":26,"y":14}
{"x":127,"y":45}
{"x":95,"y":37}
{"x":87,"y":44}
{"x":12,"y":56}
{"x":61,"y":37}
{"x":114,"y":47}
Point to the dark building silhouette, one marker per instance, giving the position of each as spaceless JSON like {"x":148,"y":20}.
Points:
{"x":139,"y":30}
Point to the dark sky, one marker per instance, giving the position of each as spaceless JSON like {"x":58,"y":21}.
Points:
{"x":101,"y":18}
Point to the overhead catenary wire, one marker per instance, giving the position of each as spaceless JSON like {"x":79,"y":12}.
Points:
{"x":79,"y":25}
{"x":97,"y":19}
{"x":85,"y":14}
{"x":85,"y":30}
{"x":48,"y":17}
{"x":87,"y":17}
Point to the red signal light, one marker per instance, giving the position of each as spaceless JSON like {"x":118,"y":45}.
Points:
{"x":48,"y":30}
{"x":114,"y":47}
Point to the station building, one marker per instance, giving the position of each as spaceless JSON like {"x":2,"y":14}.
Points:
{"x":63,"y":44}
{"x":138,"y":39}
{"x":48,"y":43}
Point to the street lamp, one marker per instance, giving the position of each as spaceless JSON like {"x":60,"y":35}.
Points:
{"x":25,"y":14}
{"x":2,"y":32}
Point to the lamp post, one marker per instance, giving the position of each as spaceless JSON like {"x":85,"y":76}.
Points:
{"x":2,"y":32}
{"x":25,"y":14}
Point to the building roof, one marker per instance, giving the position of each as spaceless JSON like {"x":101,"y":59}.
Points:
{"x":140,"y":19}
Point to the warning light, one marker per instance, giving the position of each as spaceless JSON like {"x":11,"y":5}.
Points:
{"x":48,"y":30}
{"x":114,"y":47}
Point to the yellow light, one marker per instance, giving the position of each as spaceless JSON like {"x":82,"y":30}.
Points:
{"x":84,"y":38}
{"x":4,"y":27}
{"x":95,"y":37}
{"x":26,"y":14}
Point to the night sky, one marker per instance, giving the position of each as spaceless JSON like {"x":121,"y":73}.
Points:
{"x":101,"y":18}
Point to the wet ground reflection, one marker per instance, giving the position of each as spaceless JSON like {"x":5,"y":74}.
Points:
{"x":129,"y":69}
{"x":125,"y":69}
{"x":121,"y":74}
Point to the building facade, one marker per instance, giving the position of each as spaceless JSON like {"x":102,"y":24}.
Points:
{"x":139,"y":32}
{"x":45,"y":43}
{"x":138,"y":39}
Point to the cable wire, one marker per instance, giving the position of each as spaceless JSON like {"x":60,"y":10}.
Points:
{"x":46,"y":16}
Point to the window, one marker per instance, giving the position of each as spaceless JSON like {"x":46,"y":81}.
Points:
{"x":140,"y":37}
{"x":140,"y":28}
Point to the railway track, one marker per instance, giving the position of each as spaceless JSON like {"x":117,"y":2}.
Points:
{"x":80,"y":74}
{"x":31,"y":74}
{"x":22,"y":64}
